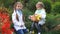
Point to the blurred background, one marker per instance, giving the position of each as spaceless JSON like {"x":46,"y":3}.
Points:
{"x":52,"y":25}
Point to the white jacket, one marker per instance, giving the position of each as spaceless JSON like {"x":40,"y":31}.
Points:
{"x":17,"y":24}
{"x":43,"y":16}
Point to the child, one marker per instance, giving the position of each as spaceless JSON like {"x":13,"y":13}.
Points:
{"x":41,"y":20}
{"x":5,"y":22}
{"x":17,"y":18}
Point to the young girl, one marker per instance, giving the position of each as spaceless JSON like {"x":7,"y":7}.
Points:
{"x":17,"y":18}
{"x":38,"y":18}
{"x":5,"y":22}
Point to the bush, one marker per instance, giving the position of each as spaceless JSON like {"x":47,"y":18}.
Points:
{"x":47,"y":6}
{"x":31,"y":5}
{"x":6,"y":3}
{"x":52,"y":32}
{"x":52,"y":21}
{"x":56,"y":9}
{"x":26,"y":13}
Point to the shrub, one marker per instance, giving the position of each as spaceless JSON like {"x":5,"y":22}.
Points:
{"x":26,"y":13}
{"x":52,"y":32}
{"x":47,"y":6}
{"x":52,"y":21}
{"x":56,"y":9}
{"x":31,"y":5}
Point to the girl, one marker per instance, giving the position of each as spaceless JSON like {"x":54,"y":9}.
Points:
{"x":41,"y":20}
{"x":17,"y":18}
{"x":5,"y":22}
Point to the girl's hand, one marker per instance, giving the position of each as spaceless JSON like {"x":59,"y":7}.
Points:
{"x":21,"y":25}
{"x":30,"y":16}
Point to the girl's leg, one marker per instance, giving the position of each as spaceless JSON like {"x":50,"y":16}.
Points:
{"x":20,"y":31}
{"x":38,"y":27}
{"x":32,"y":27}
{"x":25,"y":31}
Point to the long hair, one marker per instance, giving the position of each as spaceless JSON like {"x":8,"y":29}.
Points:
{"x":15,"y":8}
{"x":16,"y":5}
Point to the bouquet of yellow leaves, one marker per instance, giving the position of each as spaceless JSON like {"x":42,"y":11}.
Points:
{"x":35,"y":18}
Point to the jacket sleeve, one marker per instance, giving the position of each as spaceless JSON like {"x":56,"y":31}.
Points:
{"x":14,"y":20}
{"x":43,"y":14}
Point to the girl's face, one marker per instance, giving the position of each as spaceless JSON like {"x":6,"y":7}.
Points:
{"x":38,"y":6}
{"x":19,"y":6}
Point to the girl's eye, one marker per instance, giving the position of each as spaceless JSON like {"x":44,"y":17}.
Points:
{"x":19,"y":6}
{"x":38,"y":4}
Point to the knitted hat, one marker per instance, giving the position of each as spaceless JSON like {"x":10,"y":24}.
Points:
{"x":41,"y":3}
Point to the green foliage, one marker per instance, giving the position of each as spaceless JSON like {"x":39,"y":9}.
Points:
{"x":56,"y":9}
{"x":8,"y":3}
{"x":52,"y":21}
{"x":52,"y":32}
{"x":57,"y":0}
{"x":26,"y":13}
{"x":31,"y":5}
{"x":47,"y":6}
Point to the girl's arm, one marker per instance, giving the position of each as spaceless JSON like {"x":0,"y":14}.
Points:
{"x":14,"y":20}
{"x":43,"y":14}
{"x":23,"y":18}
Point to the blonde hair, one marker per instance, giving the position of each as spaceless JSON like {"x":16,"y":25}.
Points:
{"x":16,"y":4}
{"x":41,"y":3}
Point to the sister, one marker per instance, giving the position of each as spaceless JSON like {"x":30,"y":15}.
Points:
{"x":17,"y":18}
{"x":39,"y":12}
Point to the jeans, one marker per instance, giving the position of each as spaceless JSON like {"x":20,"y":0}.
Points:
{"x":37,"y":26}
{"x":22,"y":31}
